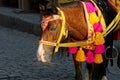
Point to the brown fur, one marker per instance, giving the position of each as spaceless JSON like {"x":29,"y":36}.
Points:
{"x":76,"y":23}
{"x":50,"y":35}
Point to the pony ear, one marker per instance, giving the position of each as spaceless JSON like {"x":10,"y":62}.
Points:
{"x":55,"y":4}
{"x":42,"y":5}
{"x":48,"y":7}
{"x":51,"y":6}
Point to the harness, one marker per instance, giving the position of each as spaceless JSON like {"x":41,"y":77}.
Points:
{"x":64,"y":32}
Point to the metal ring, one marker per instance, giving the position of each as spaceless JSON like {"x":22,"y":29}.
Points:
{"x":114,"y":49}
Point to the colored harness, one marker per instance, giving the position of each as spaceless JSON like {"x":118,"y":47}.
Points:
{"x":63,"y":32}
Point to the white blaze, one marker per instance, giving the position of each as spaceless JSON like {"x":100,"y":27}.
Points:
{"x":41,"y":53}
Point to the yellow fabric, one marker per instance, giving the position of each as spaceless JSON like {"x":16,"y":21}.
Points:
{"x":118,"y":7}
{"x":100,"y":40}
{"x":98,"y":58}
{"x":102,"y":20}
{"x":93,"y":18}
{"x":80,"y":56}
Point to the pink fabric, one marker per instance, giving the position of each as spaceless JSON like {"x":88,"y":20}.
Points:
{"x":98,"y":27}
{"x":72,"y":50}
{"x":90,"y":57}
{"x":100,"y":49}
{"x":90,"y":7}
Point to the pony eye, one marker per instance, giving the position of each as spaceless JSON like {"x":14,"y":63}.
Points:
{"x":53,"y":28}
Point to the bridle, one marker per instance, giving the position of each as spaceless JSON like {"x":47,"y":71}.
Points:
{"x":63,"y":32}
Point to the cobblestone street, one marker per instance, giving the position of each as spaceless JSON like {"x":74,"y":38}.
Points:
{"x":18,"y":60}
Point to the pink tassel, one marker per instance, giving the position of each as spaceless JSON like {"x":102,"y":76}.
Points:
{"x":100,"y":49}
{"x":72,"y":50}
{"x":90,"y":57}
{"x":90,"y":7}
{"x":98,"y":27}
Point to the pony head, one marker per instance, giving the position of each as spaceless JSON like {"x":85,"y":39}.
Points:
{"x":53,"y":26}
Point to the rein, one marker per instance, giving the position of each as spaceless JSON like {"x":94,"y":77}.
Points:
{"x":64,"y":32}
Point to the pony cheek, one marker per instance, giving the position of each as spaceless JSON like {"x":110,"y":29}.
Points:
{"x":41,"y":53}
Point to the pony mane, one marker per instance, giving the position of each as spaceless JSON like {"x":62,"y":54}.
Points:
{"x":48,"y":7}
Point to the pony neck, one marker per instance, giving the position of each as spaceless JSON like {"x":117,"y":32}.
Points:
{"x":76,"y":24}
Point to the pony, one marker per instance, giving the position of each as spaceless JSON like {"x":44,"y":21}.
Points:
{"x":74,"y":29}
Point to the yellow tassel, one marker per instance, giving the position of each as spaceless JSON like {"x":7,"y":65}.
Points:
{"x":99,"y":41}
{"x":93,"y":18}
{"x":98,"y":58}
{"x":80,"y":56}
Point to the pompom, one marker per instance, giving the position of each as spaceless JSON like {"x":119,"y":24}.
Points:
{"x":90,"y":7}
{"x":98,"y":58}
{"x":72,"y":50}
{"x":90,"y":57}
{"x":98,"y":27}
{"x":100,"y":49}
{"x":99,"y":41}
{"x":93,"y":18}
{"x":80,"y":56}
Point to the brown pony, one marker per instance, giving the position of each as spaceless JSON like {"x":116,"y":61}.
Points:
{"x":77,"y":30}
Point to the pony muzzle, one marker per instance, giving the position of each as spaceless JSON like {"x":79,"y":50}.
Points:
{"x":43,"y":55}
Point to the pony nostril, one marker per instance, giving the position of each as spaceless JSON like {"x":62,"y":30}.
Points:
{"x":43,"y":55}
{"x":40,"y":57}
